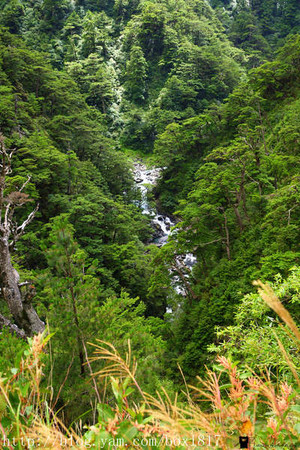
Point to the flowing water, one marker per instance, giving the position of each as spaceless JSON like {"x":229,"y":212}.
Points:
{"x":146,"y":178}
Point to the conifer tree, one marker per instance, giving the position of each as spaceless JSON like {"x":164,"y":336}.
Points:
{"x":136,"y":74}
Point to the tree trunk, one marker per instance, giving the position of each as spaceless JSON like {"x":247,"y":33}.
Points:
{"x":78,"y":332}
{"x":12,"y":328}
{"x":21,"y":309}
{"x":227,"y":242}
{"x":239,"y":218}
{"x":23,"y":313}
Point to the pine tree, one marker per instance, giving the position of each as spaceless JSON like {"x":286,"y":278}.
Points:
{"x":136,"y":75}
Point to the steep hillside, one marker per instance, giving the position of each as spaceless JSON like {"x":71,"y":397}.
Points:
{"x":232,"y":177}
{"x":208,"y":92}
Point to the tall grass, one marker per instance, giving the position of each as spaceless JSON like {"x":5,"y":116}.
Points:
{"x":228,"y":403}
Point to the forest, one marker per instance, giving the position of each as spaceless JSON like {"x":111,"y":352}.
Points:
{"x":149,"y":224}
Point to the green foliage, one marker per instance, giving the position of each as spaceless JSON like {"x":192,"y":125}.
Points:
{"x":234,"y":172}
{"x":135,"y":75}
{"x":95,"y":80}
{"x":94,"y":33}
{"x":259,"y":25}
{"x":12,"y":15}
{"x":246,"y":405}
{"x":82,"y":80}
{"x":79,"y":309}
{"x":12,"y":349}
{"x":190,"y":65}
{"x":253,"y":338}
{"x":21,"y":396}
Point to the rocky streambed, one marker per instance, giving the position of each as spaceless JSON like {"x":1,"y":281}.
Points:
{"x":162,"y":224}
{"x":145,"y":179}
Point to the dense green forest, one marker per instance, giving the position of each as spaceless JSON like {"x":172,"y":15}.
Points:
{"x":94,"y":94}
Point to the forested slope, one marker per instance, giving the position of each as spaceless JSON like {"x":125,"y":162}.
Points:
{"x":209,"y":92}
{"x":78,"y":178}
{"x":240,"y":216}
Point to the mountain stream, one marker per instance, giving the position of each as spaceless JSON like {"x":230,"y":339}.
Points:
{"x":146,"y":178}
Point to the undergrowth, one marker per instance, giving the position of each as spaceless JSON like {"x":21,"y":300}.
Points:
{"x":231,"y":407}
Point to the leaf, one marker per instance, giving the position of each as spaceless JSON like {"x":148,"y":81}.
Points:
{"x":105,"y":412}
{"x":128,"y":431}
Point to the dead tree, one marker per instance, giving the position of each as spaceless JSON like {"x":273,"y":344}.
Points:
{"x":24,"y":315}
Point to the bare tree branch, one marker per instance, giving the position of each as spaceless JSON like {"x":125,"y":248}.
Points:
{"x":20,"y":230}
{"x":25,"y":183}
{"x":6,"y":216}
{"x":19,"y":303}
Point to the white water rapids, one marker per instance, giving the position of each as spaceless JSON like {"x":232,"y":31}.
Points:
{"x":146,"y":178}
